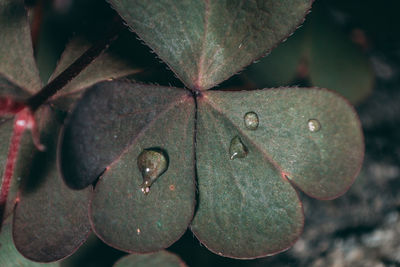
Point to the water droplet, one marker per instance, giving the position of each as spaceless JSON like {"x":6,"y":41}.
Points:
{"x":237,"y":149}
{"x":152,"y":163}
{"x":251,"y":120}
{"x":314,"y":125}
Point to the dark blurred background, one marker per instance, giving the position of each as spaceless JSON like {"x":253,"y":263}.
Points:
{"x":347,"y":45}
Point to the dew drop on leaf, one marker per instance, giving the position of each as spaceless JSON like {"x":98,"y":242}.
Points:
{"x":251,"y":120}
{"x":237,"y":149}
{"x":314,"y":125}
{"x":152,"y":163}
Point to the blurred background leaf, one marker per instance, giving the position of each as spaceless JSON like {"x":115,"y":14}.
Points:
{"x":319,"y":54}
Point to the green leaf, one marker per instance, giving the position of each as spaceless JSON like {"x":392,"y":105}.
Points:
{"x":206,"y":42}
{"x":247,"y":207}
{"x":107,"y":66}
{"x":345,"y":68}
{"x":50,"y":220}
{"x":280,"y":67}
{"x":93,"y":253}
{"x":321,"y":52}
{"x":16,"y":54}
{"x":9,"y":256}
{"x":162,"y":258}
{"x":111,"y":125}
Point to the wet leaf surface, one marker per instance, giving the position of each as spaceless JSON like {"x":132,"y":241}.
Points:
{"x":50,"y":220}
{"x":206,"y":42}
{"x":16,"y":54}
{"x":162,"y":258}
{"x":247,"y":206}
{"x":124,"y":119}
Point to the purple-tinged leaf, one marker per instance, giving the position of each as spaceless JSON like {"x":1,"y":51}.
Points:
{"x":110,"y":127}
{"x":9,"y":255}
{"x":107,"y":66}
{"x":50,"y":221}
{"x":206,"y":42}
{"x":308,"y":137}
{"x":16,"y":54}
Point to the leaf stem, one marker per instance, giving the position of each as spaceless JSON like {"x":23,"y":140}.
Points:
{"x":20,"y":125}
{"x":35,"y":101}
{"x":24,"y":119}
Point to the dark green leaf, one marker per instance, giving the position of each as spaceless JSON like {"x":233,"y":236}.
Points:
{"x":105,"y":122}
{"x":162,"y":258}
{"x":206,"y":42}
{"x":16,"y":54}
{"x":247,"y":207}
{"x":107,"y":66}
{"x":111,"y":125}
{"x":93,"y":253}
{"x":9,"y":256}
{"x":345,"y":68}
{"x":51,"y":220}
{"x":280,"y":67}
{"x":321,"y":52}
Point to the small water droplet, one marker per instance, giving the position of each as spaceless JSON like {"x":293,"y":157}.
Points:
{"x":237,"y":149}
{"x":314,"y":125}
{"x":152,"y":163}
{"x":251,"y":120}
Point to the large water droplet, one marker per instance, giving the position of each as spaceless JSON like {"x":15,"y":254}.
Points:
{"x":237,"y":149}
{"x":251,"y":120}
{"x":151,"y":163}
{"x":314,"y":125}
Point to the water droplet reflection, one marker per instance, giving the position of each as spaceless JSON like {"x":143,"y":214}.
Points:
{"x":237,"y":149}
{"x":251,"y":120}
{"x":314,"y":125}
{"x":152,"y":163}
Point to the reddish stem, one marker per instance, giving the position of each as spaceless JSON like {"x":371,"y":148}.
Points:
{"x":24,"y":111}
{"x":23,"y":120}
{"x":9,"y":106}
{"x":38,"y":99}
